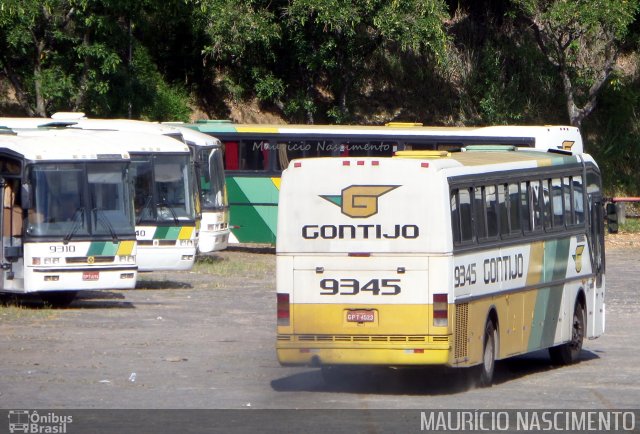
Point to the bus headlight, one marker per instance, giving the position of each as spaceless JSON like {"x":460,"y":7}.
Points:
{"x":186,"y":243}
{"x":129,"y":259}
{"x":51,"y":261}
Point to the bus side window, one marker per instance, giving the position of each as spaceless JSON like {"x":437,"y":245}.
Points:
{"x":503,"y":208}
{"x":455,"y":217}
{"x":578,"y":199}
{"x":525,"y":206}
{"x":546,"y":204}
{"x":569,"y":212}
{"x":514,"y":208}
{"x":231,"y":156}
{"x":492,"y":213}
{"x":479,"y":213}
{"x":466,"y":223}
{"x":557,"y":203}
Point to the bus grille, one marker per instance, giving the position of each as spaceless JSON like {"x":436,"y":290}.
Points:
{"x":462,"y":314}
{"x":85,"y":259}
{"x":364,"y":338}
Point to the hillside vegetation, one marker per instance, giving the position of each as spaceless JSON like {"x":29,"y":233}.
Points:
{"x":469,"y":62}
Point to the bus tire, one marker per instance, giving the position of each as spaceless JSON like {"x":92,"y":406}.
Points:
{"x":58,"y":298}
{"x":569,"y":352}
{"x":484,"y":371}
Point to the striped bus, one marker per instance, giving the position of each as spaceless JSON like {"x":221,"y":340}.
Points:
{"x":439,"y":258}
{"x":67,"y":217}
{"x":255,"y":155}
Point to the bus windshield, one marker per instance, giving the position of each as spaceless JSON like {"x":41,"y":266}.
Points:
{"x":162,"y":188}
{"x":74,"y":200}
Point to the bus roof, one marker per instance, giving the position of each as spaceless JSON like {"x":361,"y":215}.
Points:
{"x":562,"y":137}
{"x":57,"y":148}
{"x":74,"y":120}
{"x":108,"y":141}
{"x":474,"y":161}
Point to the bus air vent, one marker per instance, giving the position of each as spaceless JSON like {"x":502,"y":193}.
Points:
{"x":462,"y":314}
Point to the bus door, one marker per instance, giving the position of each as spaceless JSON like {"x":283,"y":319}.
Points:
{"x":11,"y":224}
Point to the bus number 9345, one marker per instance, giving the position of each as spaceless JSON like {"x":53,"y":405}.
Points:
{"x":353,"y":287}
{"x":464,"y":275}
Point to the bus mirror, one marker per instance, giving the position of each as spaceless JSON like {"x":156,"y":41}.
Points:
{"x":25,"y":195}
{"x":12,"y":253}
{"x":612,"y":218}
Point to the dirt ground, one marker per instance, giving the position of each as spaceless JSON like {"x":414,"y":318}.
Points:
{"x":204,"y":339}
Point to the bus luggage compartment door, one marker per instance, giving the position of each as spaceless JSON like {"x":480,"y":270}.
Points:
{"x":360,"y":295}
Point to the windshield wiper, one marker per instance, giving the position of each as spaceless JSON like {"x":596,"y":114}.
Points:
{"x":101,"y":216}
{"x":144,"y":208}
{"x":165,"y":204}
{"x":78,"y":218}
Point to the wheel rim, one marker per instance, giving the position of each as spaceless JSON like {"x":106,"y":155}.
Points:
{"x":488,"y":358}
{"x":577,"y":334}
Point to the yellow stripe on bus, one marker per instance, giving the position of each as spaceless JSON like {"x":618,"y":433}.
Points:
{"x":125,"y":248}
{"x":185,"y":233}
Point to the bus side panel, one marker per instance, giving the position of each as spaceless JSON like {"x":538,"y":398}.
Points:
{"x":253,"y":212}
{"x":528,"y":319}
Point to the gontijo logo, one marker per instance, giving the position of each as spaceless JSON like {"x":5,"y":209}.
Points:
{"x":360,"y":201}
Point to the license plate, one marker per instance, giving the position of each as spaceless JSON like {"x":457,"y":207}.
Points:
{"x":361,"y":316}
{"x":90,"y":275}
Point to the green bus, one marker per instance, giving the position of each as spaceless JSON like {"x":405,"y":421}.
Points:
{"x":256,"y":154}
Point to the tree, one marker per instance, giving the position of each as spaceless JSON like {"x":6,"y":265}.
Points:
{"x":82,"y":55}
{"x":581,"y":38}
{"x":303,"y":54}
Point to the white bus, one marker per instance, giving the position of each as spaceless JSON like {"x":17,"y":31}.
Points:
{"x":67,"y":217}
{"x":164,"y":196}
{"x":436,"y":258}
{"x":207,"y":155}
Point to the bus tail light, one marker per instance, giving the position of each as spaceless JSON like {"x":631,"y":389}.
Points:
{"x":440,"y":310}
{"x":283,"y":309}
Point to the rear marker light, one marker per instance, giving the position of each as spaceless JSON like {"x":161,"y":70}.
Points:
{"x":360,"y":163}
{"x":298,"y":164}
{"x":375,"y":163}
{"x":283,"y":309}
{"x":359,"y":254}
{"x":424,"y":165}
{"x":440,"y":310}
{"x":346,"y":163}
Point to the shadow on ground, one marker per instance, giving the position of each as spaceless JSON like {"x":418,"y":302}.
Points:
{"x":419,"y":381}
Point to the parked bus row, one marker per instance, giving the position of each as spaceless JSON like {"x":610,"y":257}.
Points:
{"x":66,"y":220}
{"x":206,"y":157}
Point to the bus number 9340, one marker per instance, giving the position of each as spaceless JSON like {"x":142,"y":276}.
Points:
{"x":353,"y":287}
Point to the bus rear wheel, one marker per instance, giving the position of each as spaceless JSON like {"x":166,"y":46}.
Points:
{"x":482,"y":374}
{"x":58,"y":298}
{"x":569,"y":352}
{"x":488,"y":365}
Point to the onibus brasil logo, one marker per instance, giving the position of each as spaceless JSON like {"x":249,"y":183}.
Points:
{"x":359,"y":201}
{"x":28,"y":421}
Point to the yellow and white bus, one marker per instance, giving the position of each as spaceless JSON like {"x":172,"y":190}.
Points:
{"x":438,"y":258}
{"x":67,"y":216}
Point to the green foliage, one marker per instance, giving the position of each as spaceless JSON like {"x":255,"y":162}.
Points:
{"x":615,"y":136}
